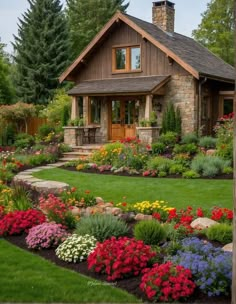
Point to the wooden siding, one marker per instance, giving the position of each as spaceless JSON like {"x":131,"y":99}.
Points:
{"x":153,"y":60}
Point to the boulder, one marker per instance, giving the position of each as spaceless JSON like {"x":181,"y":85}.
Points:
{"x":228,"y":247}
{"x":141,"y":217}
{"x":113,"y":210}
{"x":210,"y":152}
{"x":202,"y":223}
{"x":47,"y":187}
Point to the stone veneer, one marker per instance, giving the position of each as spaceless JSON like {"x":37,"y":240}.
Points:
{"x":181,"y":91}
{"x":164,"y":16}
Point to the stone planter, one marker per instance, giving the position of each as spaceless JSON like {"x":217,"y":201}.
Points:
{"x":148,"y":135}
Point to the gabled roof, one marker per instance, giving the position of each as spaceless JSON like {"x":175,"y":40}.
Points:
{"x":189,"y":54}
{"x":119,"y":86}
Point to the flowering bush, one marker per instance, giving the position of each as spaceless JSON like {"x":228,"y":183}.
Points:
{"x":74,"y":197}
{"x":167,"y":282}
{"x":46,"y":235}
{"x":159,"y":207}
{"x":18,"y":222}
{"x":76,"y":248}
{"x":211,"y":267}
{"x":119,"y":258}
{"x":222,"y":215}
{"x":57,"y":210}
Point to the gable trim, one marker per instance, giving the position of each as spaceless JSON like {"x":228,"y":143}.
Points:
{"x":119,"y":16}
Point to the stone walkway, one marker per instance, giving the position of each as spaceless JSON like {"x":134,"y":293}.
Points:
{"x":39,"y":185}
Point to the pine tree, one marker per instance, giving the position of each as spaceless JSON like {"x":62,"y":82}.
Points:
{"x":6,"y":86}
{"x":216,"y":30}
{"x":41,"y":50}
{"x":87,"y":17}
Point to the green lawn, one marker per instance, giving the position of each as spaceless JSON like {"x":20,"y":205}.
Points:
{"x":178,"y":192}
{"x":29,"y":278}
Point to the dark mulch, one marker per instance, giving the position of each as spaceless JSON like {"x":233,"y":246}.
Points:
{"x":130,"y":284}
{"x":96,"y":171}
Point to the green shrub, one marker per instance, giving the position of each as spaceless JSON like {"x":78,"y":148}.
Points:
{"x":228,"y":170}
{"x":207,"y":165}
{"x":162,"y":174}
{"x":102,"y":226}
{"x":151,"y":232}
{"x":44,"y":130}
{"x":190,"y":138}
{"x":177,"y":169}
{"x":171,"y":120}
{"x":159,"y":163}
{"x":158,"y":148}
{"x":168,"y":139}
{"x":222,"y":233}
{"x":207,"y":142}
{"x":186,"y":148}
{"x":23,"y":140}
{"x":182,"y":159}
{"x":190,"y":174}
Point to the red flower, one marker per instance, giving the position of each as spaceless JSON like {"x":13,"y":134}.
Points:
{"x":199,"y":212}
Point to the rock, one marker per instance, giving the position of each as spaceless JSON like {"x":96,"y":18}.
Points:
{"x":75,"y":210}
{"x":141,"y":217}
{"x":99,"y":200}
{"x":228,"y":247}
{"x":113,"y":210}
{"x":120,"y":170}
{"x":47,"y":187}
{"x":210,"y":152}
{"x":202,"y":223}
{"x":92,"y":210}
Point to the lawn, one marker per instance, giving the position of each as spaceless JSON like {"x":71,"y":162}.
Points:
{"x":177,"y":192}
{"x":29,"y":278}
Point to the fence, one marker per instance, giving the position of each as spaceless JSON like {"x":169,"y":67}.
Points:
{"x":34,"y":123}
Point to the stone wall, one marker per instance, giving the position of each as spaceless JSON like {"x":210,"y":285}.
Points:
{"x":164,"y":17}
{"x":181,"y":91}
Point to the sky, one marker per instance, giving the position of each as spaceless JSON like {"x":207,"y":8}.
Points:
{"x":187,"y":16}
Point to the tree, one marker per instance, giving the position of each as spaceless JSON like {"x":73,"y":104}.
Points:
{"x":87,"y":17}
{"x":41,"y":50}
{"x":6,"y":87}
{"x":216,"y":31}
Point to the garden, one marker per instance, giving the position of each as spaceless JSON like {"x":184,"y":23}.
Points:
{"x":161,"y":243}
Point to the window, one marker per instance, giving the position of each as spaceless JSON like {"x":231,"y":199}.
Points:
{"x":228,"y":106}
{"x":80,"y":106}
{"x":126,"y":59}
{"x":95,"y":110}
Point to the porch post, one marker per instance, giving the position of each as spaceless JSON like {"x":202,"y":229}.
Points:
{"x":86,"y":109}
{"x":148,"y":106}
{"x":74,"y":108}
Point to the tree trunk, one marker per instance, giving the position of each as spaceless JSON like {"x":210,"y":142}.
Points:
{"x":234,"y":218}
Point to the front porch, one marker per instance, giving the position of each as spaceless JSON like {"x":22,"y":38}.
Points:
{"x":114,"y":109}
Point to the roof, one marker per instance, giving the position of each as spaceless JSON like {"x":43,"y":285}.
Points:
{"x":120,"y":85}
{"x":188,"y":53}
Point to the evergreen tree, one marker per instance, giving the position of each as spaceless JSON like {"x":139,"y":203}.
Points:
{"x":6,"y":87}
{"x":41,"y":50}
{"x":216,"y":31}
{"x":87,"y":17}
{"x":171,"y":119}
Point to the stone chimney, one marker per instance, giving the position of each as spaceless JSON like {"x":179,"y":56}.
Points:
{"x":163,"y":15}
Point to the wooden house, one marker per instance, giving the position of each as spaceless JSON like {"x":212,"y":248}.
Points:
{"x":133,"y":68}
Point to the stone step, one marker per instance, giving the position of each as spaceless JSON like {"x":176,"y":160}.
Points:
{"x":67,"y":159}
{"x":87,"y":148}
{"x":76,"y":154}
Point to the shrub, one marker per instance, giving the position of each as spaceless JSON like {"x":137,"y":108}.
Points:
{"x":107,"y":154}
{"x":57,"y":211}
{"x":171,"y":120}
{"x":102,"y":226}
{"x":23,"y":140}
{"x":147,"y":207}
{"x":45,"y":130}
{"x":18,"y":222}
{"x":159,"y":163}
{"x":222,"y":233}
{"x":207,"y":165}
{"x":228,"y":170}
{"x":119,"y":258}
{"x":186,"y":148}
{"x":167,"y":282}
{"x":158,"y":148}
{"x":177,"y":169}
{"x":46,"y":235}
{"x":182,"y":159}
{"x":150,"y":232}
{"x":18,"y":199}
{"x":190,"y":138}
{"x":211,"y":267}
{"x":76,"y":248}
{"x":168,"y":139}
{"x":74,"y":197}
{"x":190,"y":174}
{"x":207,"y":142}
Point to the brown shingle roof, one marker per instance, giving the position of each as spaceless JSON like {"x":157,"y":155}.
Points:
{"x":120,"y":85}
{"x":190,"y":51}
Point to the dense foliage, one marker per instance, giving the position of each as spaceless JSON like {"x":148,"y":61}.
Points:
{"x":41,"y":50}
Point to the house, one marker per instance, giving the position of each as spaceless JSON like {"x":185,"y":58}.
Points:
{"x":132,"y":68}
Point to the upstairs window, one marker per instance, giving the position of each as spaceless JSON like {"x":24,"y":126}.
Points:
{"x":126,"y":59}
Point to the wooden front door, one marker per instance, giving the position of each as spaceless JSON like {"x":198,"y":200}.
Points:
{"x":122,"y":118}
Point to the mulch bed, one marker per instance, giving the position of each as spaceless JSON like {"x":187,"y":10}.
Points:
{"x":131,"y":285}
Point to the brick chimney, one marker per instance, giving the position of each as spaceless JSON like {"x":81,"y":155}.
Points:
{"x":163,"y":15}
